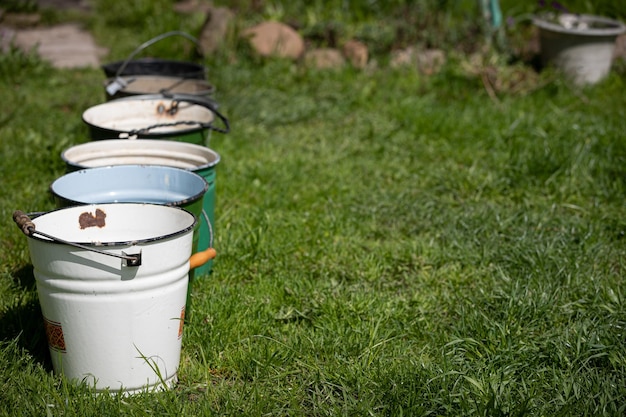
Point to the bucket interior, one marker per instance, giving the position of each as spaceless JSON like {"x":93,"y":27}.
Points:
{"x":153,"y":84}
{"x":580,"y":25}
{"x":115,"y":223}
{"x":130,"y":183}
{"x":129,"y":114}
{"x":140,"y":152}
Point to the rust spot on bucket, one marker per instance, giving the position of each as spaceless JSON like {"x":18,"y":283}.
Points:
{"x":87,"y":219}
{"x":163,"y":110}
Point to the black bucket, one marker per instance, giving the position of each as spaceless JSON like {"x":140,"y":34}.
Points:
{"x":156,"y":66}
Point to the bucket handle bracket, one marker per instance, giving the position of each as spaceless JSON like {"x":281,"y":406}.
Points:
{"x":131,"y":260}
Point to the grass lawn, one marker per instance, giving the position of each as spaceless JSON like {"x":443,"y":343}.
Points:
{"x":388,"y":244}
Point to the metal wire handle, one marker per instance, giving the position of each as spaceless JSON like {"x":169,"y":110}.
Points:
{"x":186,"y":98}
{"x":27,"y":227}
{"x":154,"y":40}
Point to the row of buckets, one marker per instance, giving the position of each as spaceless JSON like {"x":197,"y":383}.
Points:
{"x":115,"y":262}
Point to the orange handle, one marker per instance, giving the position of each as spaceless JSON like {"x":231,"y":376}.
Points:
{"x":200,"y":258}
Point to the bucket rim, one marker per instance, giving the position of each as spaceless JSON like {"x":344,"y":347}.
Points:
{"x":193,"y":70}
{"x":36,"y":215}
{"x":201,"y":102}
{"x":129,"y":85}
{"x":104,"y":107}
{"x":131,"y":143}
{"x":614,"y":27}
{"x":94,"y":170}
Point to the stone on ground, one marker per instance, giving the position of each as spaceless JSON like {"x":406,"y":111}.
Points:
{"x":356,"y":53}
{"x":215,"y":29}
{"x":324,"y":58}
{"x":275,"y":39}
{"x":64,"y":46}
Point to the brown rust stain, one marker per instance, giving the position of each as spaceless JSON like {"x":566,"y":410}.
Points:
{"x":163,"y":110}
{"x":87,"y":219}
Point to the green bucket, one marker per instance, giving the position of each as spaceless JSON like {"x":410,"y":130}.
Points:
{"x":198,"y":159}
{"x":178,"y":117}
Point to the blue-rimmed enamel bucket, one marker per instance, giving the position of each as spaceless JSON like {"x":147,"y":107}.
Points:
{"x":131,"y":184}
{"x":196,"y":158}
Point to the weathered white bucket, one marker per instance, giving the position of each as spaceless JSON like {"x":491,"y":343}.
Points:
{"x":582,"y":46}
{"x":114,"y":323}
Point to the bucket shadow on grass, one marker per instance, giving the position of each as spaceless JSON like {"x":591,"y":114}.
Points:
{"x":24,"y":322}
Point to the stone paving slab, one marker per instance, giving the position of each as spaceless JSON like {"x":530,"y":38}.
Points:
{"x":64,"y":46}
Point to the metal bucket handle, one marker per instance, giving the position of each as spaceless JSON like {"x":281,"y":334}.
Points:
{"x":119,"y":83}
{"x":200,"y":258}
{"x":25,"y":224}
{"x":154,"y":40}
{"x":186,"y":98}
{"x":207,"y":250}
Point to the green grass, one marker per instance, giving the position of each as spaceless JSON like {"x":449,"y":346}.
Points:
{"x":388,"y":244}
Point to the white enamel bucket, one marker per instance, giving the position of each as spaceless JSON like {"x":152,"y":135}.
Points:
{"x":112,"y":283}
{"x":582,"y":46}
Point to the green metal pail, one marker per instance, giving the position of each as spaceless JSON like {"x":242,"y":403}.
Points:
{"x":179,"y":117}
{"x":199,"y":159}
